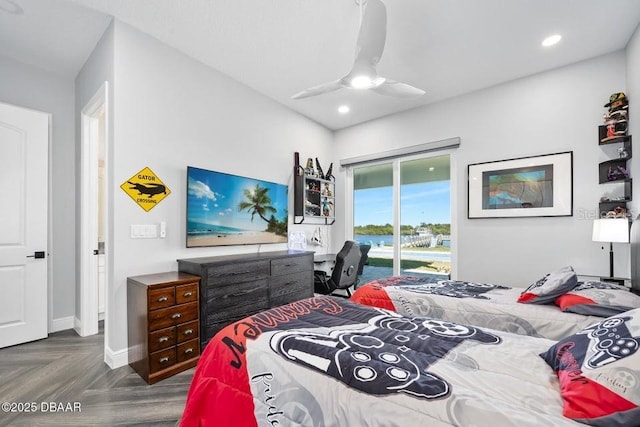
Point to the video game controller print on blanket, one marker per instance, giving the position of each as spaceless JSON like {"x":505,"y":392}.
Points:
{"x":599,"y":371}
{"x":328,"y":362}
{"x":390,"y":355}
{"x":480,"y":304}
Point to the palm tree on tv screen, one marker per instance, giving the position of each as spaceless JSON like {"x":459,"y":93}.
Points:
{"x":257,"y":202}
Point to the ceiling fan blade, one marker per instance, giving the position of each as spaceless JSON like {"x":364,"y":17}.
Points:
{"x":373,"y":33}
{"x":397,"y":89}
{"x":319,"y":90}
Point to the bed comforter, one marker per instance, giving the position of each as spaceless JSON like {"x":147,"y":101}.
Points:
{"x":480,"y":304}
{"x":326,"y":361}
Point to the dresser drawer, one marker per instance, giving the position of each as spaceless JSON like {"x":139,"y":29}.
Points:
{"x":290,"y":283}
{"x":187,"y":350}
{"x":291,"y":297}
{"x":172,"y":316}
{"x":160,"y":298}
{"x":291,"y":265}
{"x":162,"y":359}
{"x":237,"y":272}
{"x":228,"y":296}
{"x":250,"y":300}
{"x":186,"y":293}
{"x":162,"y":339}
{"x":187,"y":331}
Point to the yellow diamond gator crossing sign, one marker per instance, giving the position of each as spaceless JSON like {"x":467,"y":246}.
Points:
{"x":146,"y":189}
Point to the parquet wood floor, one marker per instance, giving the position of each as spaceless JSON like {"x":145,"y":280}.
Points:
{"x":65,"y":369}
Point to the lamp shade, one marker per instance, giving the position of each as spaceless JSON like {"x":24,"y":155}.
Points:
{"x":614,"y":230}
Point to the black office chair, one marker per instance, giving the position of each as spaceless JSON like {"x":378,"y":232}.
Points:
{"x":364,"y":260}
{"x":345,"y":271}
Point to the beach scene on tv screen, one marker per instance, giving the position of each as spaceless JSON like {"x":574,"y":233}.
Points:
{"x":225,"y":209}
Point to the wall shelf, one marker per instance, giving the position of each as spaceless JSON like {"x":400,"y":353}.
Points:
{"x":314,"y":200}
{"x":615,"y":171}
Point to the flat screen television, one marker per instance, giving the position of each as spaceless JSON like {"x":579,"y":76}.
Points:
{"x":225,"y":209}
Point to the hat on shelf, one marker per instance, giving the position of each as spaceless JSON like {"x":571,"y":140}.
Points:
{"x":618,"y":96}
{"x":617,"y":101}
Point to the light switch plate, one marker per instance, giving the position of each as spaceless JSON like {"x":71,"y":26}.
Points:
{"x":144,"y":231}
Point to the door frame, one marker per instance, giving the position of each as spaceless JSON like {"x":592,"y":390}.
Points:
{"x":395,"y":162}
{"x":89,"y":153}
{"x":50,"y":326}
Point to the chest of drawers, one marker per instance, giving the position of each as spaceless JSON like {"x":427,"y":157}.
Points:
{"x":237,"y":286}
{"x":163,"y":324}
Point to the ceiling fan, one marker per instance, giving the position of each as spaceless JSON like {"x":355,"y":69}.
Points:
{"x":363,"y":74}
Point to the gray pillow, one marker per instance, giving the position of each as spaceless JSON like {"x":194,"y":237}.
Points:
{"x":598,"y":299}
{"x":551,"y":286}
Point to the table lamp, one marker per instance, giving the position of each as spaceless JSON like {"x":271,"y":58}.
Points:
{"x":612,"y":230}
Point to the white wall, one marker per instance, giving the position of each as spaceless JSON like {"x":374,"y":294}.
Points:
{"x":30,"y":87}
{"x":633,"y":93}
{"x":169,"y":112}
{"x":551,"y":112}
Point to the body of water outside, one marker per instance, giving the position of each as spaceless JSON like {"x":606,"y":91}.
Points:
{"x":382,"y":247}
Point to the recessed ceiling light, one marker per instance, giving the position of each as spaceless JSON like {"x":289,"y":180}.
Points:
{"x":343,"y":109}
{"x":551,"y":40}
{"x":431,"y":168}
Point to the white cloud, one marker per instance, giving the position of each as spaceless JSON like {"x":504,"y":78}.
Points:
{"x":200,"y":190}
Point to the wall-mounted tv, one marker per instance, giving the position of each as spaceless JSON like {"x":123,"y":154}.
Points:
{"x":224,"y":209}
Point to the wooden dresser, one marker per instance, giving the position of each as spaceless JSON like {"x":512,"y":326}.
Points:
{"x":163,"y":324}
{"x":237,"y":286}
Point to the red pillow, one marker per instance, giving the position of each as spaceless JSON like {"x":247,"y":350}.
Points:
{"x":598,"y":371}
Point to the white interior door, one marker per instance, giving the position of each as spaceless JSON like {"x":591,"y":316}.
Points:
{"x":24,"y":142}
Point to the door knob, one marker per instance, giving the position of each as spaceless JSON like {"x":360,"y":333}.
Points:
{"x":37,"y":254}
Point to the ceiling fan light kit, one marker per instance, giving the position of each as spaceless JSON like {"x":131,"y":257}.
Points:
{"x":369,"y":48}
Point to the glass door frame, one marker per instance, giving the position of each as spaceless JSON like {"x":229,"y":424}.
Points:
{"x":396,"y":161}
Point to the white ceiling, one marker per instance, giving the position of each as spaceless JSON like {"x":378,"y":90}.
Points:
{"x":280,"y":47}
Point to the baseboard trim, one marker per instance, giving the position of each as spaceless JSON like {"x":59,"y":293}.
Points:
{"x":116,"y":359}
{"x":62,"y":324}
{"x":77,"y":325}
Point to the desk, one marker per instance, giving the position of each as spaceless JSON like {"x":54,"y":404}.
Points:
{"x":324,"y":262}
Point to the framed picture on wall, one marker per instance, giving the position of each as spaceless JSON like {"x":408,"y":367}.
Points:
{"x":522,"y":187}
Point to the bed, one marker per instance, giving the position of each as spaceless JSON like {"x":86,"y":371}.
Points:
{"x":326,"y":361}
{"x":495,"y":306}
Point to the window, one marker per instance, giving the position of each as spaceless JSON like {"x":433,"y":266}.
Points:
{"x":402,"y":208}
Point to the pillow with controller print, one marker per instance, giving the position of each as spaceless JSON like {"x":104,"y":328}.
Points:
{"x":598,"y":299}
{"x":599,"y":371}
{"x":551,"y":286}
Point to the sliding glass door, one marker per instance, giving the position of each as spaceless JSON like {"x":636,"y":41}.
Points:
{"x":373,"y":216}
{"x":402,"y":209}
{"x":425,"y":217}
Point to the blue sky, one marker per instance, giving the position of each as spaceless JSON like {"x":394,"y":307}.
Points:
{"x":424,"y":202}
{"x":213,"y":199}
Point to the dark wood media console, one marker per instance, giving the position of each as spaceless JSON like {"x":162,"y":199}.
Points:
{"x":237,"y":286}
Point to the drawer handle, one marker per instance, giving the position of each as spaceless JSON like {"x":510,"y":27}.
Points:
{"x":163,"y":299}
{"x":176,"y":316}
{"x":188,"y":332}
{"x":187,"y":294}
{"x":163,"y":339}
{"x":163,"y":360}
{"x":188,"y":351}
